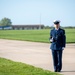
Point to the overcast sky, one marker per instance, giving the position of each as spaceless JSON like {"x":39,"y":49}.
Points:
{"x":34,"y":11}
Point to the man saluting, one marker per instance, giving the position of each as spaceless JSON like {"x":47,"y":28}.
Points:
{"x":58,"y":41}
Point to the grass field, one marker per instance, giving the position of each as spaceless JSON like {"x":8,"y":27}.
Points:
{"x":34,"y":35}
{"x":8,"y":67}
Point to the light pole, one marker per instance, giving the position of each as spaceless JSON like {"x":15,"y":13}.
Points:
{"x":40,"y":22}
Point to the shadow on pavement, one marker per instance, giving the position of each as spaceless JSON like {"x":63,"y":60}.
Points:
{"x":68,"y":71}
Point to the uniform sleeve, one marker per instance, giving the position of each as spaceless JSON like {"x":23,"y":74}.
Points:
{"x":50,"y":34}
{"x":63,"y":39}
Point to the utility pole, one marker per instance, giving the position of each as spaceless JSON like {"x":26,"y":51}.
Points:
{"x":40,"y":18}
{"x":40,"y":22}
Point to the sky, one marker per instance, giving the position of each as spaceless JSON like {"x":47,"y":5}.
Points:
{"x":23,"y":12}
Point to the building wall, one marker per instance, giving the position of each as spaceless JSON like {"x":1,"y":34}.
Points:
{"x":27,"y":27}
{"x":5,"y":27}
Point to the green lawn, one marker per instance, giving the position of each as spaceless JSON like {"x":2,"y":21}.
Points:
{"x":8,"y":67}
{"x":34,"y":35}
{"x":70,"y":35}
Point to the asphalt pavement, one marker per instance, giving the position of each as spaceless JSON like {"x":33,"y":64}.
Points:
{"x":37,"y":54}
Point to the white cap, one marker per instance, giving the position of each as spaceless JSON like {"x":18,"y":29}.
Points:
{"x":56,"y":22}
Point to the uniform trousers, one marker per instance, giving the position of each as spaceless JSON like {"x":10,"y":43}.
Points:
{"x":57,"y":59}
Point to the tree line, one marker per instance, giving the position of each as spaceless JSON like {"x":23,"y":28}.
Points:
{"x":67,"y":27}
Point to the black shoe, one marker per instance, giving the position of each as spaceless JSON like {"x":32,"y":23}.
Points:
{"x":58,"y":70}
{"x":55,"y":71}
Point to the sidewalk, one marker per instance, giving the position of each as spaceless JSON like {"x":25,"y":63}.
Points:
{"x":37,"y":54}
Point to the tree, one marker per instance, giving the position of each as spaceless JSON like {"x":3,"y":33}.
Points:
{"x":5,"y":22}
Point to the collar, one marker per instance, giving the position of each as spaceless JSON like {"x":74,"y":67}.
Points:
{"x":57,"y":29}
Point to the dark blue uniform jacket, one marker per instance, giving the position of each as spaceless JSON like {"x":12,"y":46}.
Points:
{"x":59,"y":39}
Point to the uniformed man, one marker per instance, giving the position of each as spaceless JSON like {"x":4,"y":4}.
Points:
{"x":58,"y":41}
